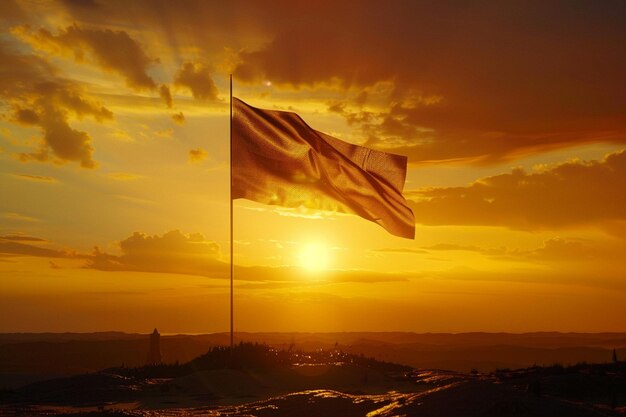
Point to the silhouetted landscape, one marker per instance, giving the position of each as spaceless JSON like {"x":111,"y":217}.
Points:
{"x":332,"y":374}
{"x":28,"y":358}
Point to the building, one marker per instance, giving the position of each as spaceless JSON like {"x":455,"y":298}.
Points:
{"x":154,"y":357}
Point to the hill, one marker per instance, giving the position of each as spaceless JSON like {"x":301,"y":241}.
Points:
{"x":257,"y":380}
{"x":26,"y":358}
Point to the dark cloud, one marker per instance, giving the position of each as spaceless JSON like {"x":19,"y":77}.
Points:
{"x":26,"y":117}
{"x":53,"y":103}
{"x":19,"y":71}
{"x":197,"y":155}
{"x":22,"y":238}
{"x":567,"y":195}
{"x":166,"y":95}
{"x":208,"y":26}
{"x":67,"y":143}
{"x":197,"y":78}
{"x":477,"y":82}
{"x":12,"y":245}
{"x":70,"y":99}
{"x":113,"y":50}
{"x":481,"y":82}
{"x":10,"y":11}
{"x":38,"y":97}
{"x":178,"y":118}
{"x":82,"y":4}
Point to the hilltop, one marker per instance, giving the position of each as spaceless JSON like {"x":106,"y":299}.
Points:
{"x":31,"y":357}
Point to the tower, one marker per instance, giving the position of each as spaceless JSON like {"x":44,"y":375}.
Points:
{"x":154,"y":357}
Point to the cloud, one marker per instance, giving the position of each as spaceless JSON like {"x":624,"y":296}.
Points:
{"x":134,"y":200}
{"x":559,"y":249}
{"x":479,"y":83}
{"x":207,"y":27}
{"x":197,"y":155}
{"x":452,"y":246}
{"x":26,"y":117}
{"x":173,"y":252}
{"x":192,"y":254}
{"x":12,"y":245}
{"x":484,"y":83}
{"x":166,"y":95}
{"x":401,"y":250}
{"x":577,"y":261}
{"x":492,"y":252}
{"x":124,"y":176}
{"x":563,"y":254}
{"x":65,"y":142}
{"x":444,"y":247}
{"x":19,"y":70}
{"x":179,"y":118}
{"x":307,"y":56}
{"x":20,"y":217}
{"x":22,"y":238}
{"x":571,"y":253}
{"x":164,"y":133}
{"x":16,"y":248}
{"x":36,"y":178}
{"x":113,"y":50}
{"x":567,"y":195}
{"x":38,"y":97}
{"x":10,"y":10}
{"x":197,"y":78}
{"x":295,"y":275}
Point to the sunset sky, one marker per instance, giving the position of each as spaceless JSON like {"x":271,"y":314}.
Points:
{"x":114,"y":145}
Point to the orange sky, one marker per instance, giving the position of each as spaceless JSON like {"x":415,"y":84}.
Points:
{"x":114,"y":165}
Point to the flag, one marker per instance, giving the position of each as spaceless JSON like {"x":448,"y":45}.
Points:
{"x":278,"y":159}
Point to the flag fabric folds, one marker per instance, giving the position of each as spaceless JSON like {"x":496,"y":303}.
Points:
{"x":278,"y":159}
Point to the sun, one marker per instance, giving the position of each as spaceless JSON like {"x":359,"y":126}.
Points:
{"x":313,"y":257}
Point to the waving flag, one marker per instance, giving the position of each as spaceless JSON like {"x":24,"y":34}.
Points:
{"x":278,"y":159}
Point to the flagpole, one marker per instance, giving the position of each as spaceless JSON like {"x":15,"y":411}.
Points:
{"x":231,"y":217}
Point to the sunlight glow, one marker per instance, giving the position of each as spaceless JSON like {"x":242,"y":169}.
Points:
{"x":313,"y":257}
